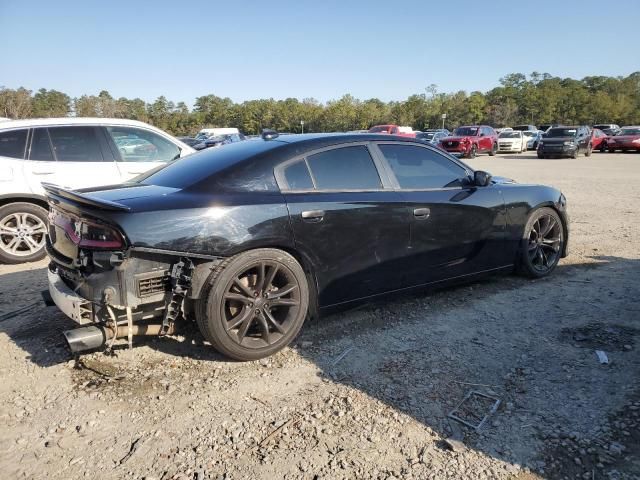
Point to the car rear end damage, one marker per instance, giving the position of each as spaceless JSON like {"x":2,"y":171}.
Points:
{"x":109,"y":288}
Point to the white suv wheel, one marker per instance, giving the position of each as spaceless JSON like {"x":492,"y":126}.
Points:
{"x":23,"y":229}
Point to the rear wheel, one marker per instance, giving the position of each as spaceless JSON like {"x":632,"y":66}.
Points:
{"x":254,"y":304}
{"x":587,"y":153}
{"x":23,"y":227}
{"x":541,"y":244}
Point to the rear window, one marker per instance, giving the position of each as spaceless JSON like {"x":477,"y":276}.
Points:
{"x":345,"y":168}
{"x":12,"y":143}
{"x":199,"y":166}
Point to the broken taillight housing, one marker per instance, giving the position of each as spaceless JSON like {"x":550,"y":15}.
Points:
{"x":88,"y":234}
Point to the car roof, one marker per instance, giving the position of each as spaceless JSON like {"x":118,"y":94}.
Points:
{"x":40,"y":122}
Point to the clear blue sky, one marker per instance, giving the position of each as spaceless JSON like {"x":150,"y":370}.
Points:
{"x":321,"y":49}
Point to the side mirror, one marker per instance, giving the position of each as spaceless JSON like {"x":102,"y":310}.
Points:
{"x":481,"y":178}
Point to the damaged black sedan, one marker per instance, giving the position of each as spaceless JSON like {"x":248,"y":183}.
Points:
{"x":251,"y":239}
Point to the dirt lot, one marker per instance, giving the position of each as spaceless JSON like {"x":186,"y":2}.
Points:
{"x":364,"y":393}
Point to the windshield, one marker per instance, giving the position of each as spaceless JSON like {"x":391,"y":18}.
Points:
{"x":466,"y":131}
{"x":509,"y":135}
{"x":426,"y":136}
{"x":562,"y":132}
{"x":529,"y":133}
{"x":630,"y":131}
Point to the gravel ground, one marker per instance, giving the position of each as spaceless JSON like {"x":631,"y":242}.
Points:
{"x":363,"y":393}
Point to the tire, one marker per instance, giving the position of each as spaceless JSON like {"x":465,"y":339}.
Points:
{"x":493,"y":150}
{"x":531,"y":263}
{"x":611,"y":150}
{"x":603,"y":147}
{"x":29,"y":222}
{"x":587,"y":153}
{"x":541,"y":155}
{"x":473,"y":152}
{"x":576,"y":153}
{"x":234,"y":291}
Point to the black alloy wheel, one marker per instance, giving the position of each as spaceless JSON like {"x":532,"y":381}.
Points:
{"x":542,"y":244}
{"x":473,"y":152}
{"x":255,"y":304}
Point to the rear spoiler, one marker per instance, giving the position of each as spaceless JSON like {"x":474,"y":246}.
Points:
{"x":56,"y":191}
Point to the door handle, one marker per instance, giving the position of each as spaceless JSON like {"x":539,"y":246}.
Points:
{"x":421,"y":213}
{"x":313,"y":215}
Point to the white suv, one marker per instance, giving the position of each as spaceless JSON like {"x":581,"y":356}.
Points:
{"x":73,"y":153}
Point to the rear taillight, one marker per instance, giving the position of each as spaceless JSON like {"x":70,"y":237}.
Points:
{"x":88,"y":234}
{"x":93,"y":235}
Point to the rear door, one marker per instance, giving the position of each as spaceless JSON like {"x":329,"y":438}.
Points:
{"x":347,"y":221}
{"x":456,"y":229}
{"x":138,"y":150}
{"x":71,"y":157}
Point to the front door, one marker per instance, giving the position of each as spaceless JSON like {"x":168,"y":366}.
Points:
{"x":347,"y":222}
{"x":456,"y":228}
{"x":138,"y":150}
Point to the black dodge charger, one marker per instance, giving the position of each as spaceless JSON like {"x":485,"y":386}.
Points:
{"x":252,"y":238}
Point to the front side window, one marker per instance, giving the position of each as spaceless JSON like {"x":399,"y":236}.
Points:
{"x":75,"y":144}
{"x":41,"y":146}
{"x":12,"y":143}
{"x":346,"y":168}
{"x":421,"y":168}
{"x":138,"y":145}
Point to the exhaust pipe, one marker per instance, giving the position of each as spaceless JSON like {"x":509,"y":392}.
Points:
{"x":92,"y":337}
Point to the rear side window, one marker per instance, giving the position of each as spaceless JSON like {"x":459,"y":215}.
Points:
{"x":138,"y":145}
{"x":346,"y":168}
{"x":12,"y":143}
{"x":298,"y":177}
{"x":422,"y":168}
{"x":41,"y":146}
{"x":75,"y":144}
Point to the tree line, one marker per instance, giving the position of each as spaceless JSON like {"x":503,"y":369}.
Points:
{"x":538,"y":98}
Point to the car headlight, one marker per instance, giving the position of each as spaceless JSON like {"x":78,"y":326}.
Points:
{"x":637,"y":140}
{"x":570,"y":143}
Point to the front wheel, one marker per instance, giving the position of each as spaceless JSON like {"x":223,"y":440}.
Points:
{"x":542,"y":243}
{"x":473,"y":152}
{"x":603,"y":147}
{"x":494,"y":149}
{"x":253,"y":304}
{"x":23,"y":228}
{"x":587,"y":153}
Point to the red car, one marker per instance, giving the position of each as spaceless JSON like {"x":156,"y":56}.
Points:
{"x":599,"y":140}
{"x":470,"y":140}
{"x":627,"y":139}
{"x":393,"y":130}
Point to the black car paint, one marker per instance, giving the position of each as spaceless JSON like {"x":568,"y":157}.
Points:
{"x":368,"y":243}
{"x":555,"y":146}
